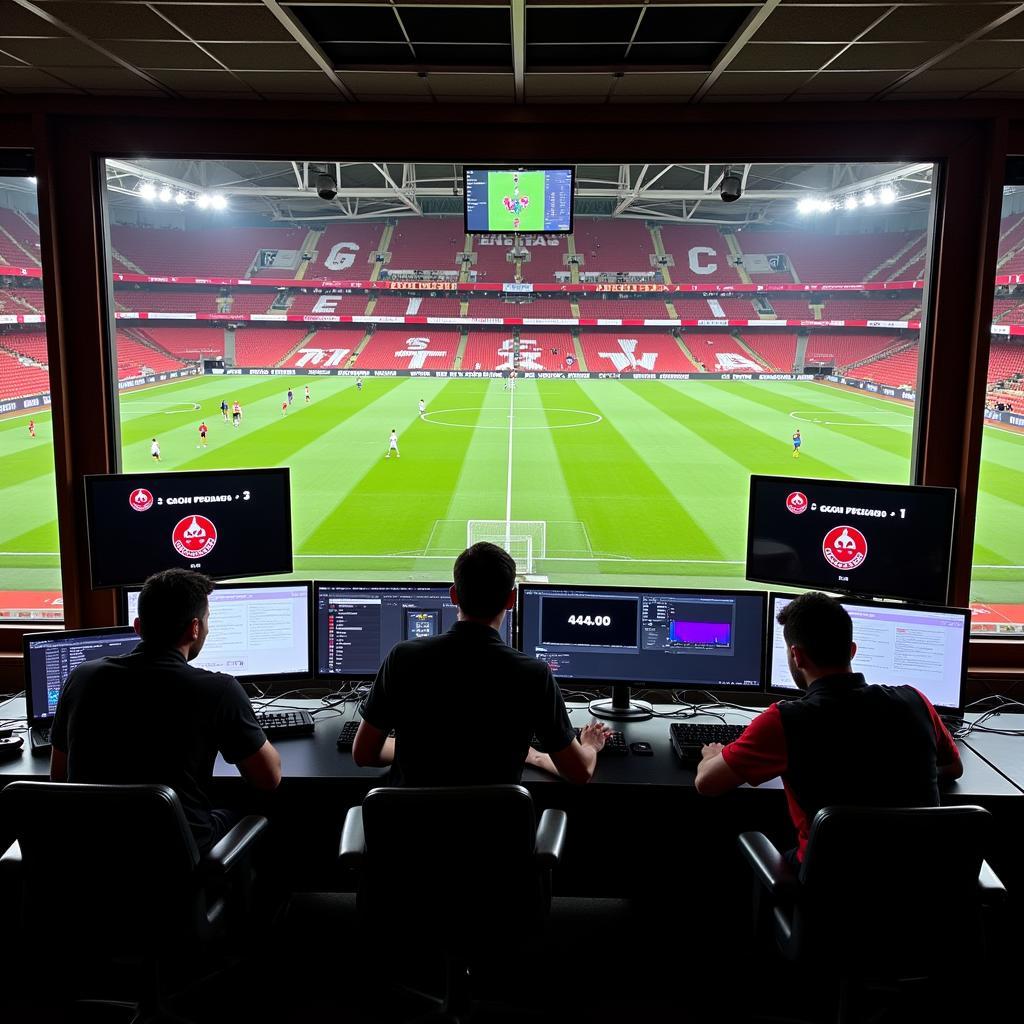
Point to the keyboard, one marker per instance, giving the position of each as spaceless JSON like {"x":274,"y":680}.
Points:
{"x":347,"y":735}
{"x":39,"y":739}
{"x":688,"y":738}
{"x":281,"y":724}
{"x":615,"y":744}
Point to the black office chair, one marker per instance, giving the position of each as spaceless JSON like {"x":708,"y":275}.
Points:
{"x":464,"y":870}
{"x":112,"y":873}
{"x":881,"y":892}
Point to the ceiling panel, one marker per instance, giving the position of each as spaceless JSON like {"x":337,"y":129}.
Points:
{"x":263,"y":56}
{"x":63,"y":52}
{"x":942,"y":22}
{"x":281,"y":82}
{"x":199,"y":81}
{"x":986,"y":55}
{"x":842,"y":82}
{"x":747,"y":83}
{"x":161,"y":55}
{"x":212,"y":22}
{"x":946,"y":82}
{"x":100,"y":20}
{"x":26,"y":79}
{"x":16,"y":21}
{"x":885,"y":56}
{"x":784,"y":56}
{"x":817,"y":24}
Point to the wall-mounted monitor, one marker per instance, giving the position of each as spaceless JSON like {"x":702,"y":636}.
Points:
{"x":518,"y":200}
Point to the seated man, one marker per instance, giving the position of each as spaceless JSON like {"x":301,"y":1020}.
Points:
{"x":150,"y":717}
{"x":844,"y":741}
{"x":464,"y":705}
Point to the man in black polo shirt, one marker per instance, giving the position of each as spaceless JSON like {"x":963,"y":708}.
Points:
{"x":150,"y":717}
{"x":464,"y":705}
{"x":844,"y":741}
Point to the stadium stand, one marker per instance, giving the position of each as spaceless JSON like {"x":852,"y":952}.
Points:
{"x":18,"y":380}
{"x":613,"y":245}
{"x":1009,"y":311}
{"x":843,"y":349}
{"x":492,"y":350}
{"x":1006,"y":359}
{"x":29,"y":344}
{"x":343,"y":251}
{"x":309,"y":303}
{"x":134,"y":359}
{"x":777,"y":350}
{"x":188,"y":343}
{"x":415,"y":305}
{"x":625,"y":309}
{"x":865,"y":309}
{"x":554,"y":308}
{"x":414,"y":348}
{"x":251,"y":300}
{"x":640,"y":353}
{"x":545,"y":260}
{"x":789,"y":309}
{"x":721,"y":353}
{"x":19,"y":301}
{"x":166,"y":300}
{"x":326,"y":349}
{"x":491,"y":262}
{"x":695,"y":240}
{"x":498,"y":308}
{"x":265,"y":346}
{"x":206,"y":252}
{"x":24,"y":235}
{"x":1011,"y":240}
{"x":896,"y":370}
{"x":426,"y":243}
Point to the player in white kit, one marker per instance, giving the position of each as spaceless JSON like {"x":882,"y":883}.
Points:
{"x":423,"y":407}
{"x":154,"y":450}
{"x":393,"y":445}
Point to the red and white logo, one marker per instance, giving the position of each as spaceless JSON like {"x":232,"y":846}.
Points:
{"x":797,"y":502}
{"x":844,"y":547}
{"x":194,"y":536}
{"x":140,"y":499}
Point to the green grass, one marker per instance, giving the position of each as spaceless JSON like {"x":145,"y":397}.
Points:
{"x":638,"y":482}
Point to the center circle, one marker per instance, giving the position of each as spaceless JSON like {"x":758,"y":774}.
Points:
{"x":528,"y":418}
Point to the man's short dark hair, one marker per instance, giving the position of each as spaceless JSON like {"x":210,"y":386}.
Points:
{"x":484,"y":577}
{"x":168,"y":603}
{"x":821,"y":626}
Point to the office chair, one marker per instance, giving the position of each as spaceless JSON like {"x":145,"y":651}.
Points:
{"x":880,"y":893}
{"x":464,"y":870}
{"x":112,"y":873}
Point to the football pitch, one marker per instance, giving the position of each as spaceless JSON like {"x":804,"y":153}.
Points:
{"x":636,"y":482}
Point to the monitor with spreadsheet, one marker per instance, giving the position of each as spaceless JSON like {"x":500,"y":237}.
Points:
{"x":358,"y":623}
{"x":257,"y":630}
{"x":897,"y":644}
{"x":50,"y":657}
{"x":646,"y":637}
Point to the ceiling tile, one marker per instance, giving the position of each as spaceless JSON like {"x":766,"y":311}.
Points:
{"x":816,"y":24}
{"x":16,"y":21}
{"x":958,"y":82}
{"x":8,"y":60}
{"x":161,"y":55}
{"x":28,"y":79}
{"x":1012,"y":29}
{"x":344,"y":55}
{"x":443,"y":24}
{"x":568,"y":85}
{"x":784,"y":56}
{"x":386,"y":98}
{"x":754,"y":97}
{"x":1011,"y":85}
{"x":679,"y":24}
{"x":202,"y":81}
{"x":283,"y":82}
{"x":101,"y":21}
{"x":262,"y":56}
{"x":99,"y":78}
{"x":840,"y":82}
{"x":985,"y":55}
{"x":777,"y":83}
{"x":669,"y":85}
{"x":472,"y":85}
{"x":211,"y":22}
{"x":885,"y":56}
{"x":391,"y":82}
{"x":64,"y":52}
{"x":340,"y":24}
{"x":948,"y":23}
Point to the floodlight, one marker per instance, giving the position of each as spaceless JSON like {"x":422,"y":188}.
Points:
{"x":147,"y":190}
{"x":166,"y":195}
{"x":887,"y":195}
{"x":218,"y":202}
{"x":868,"y":199}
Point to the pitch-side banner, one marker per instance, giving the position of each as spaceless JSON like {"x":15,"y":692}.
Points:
{"x":905,"y":394}
{"x":292,"y":371}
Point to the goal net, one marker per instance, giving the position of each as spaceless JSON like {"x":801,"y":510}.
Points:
{"x":524,"y":539}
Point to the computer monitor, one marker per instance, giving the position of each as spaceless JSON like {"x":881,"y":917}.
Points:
{"x":518,"y":200}
{"x":897,"y":644}
{"x":50,"y":657}
{"x":257,"y":630}
{"x":357,"y":624}
{"x":644,"y":637}
{"x":869,"y":540}
{"x":221,"y":522}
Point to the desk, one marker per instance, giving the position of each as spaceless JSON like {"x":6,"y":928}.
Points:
{"x":1003,"y":753}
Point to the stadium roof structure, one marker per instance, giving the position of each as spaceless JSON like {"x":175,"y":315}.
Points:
{"x":515,"y":51}
{"x":687,"y":193}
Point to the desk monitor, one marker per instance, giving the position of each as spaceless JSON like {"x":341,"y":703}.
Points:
{"x":50,"y":657}
{"x":873,"y":540}
{"x":257,"y":630}
{"x":518,"y":200}
{"x":221,"y":522}
{"x":357,"y":624}
{"x":897,"y":644}
{"x":645,"y":637}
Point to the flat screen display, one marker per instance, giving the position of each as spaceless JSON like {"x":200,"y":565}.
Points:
{"x":646,"y":637}
{"x":257,"y":630}
{"x":223,"y":523}
{"x":876,"y":540}
{"x":897,"y":645}
{"x":506,"y":200}
{"x":357,"y":624}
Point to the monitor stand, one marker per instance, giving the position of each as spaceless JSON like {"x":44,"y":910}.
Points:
{"x":621,"y":708}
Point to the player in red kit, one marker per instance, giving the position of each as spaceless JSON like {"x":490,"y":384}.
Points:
{"x":31,"y":428}
{"x":284,"y":408}
{"x":202,"y":435}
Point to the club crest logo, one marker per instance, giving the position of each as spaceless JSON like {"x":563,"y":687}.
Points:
{"x":797,"y":502}
{"x":194,"y":536}
{"x":140,"y":499}
{"x":844,"y":547}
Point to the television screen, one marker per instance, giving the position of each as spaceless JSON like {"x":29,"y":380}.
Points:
{"x":223,"y":523}
{"x":504,"y":201}
{"x":880,"y":540}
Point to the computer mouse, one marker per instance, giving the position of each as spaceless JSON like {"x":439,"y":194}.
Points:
{"x":11,"y":746}
{"x":642,"y":749}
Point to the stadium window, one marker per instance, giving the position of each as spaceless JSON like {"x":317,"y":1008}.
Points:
{"x":618,"y":451}
{"x":997,"y":579}
{"x":30,"y":581}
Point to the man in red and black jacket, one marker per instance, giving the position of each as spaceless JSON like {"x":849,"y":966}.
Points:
{"x":843,"y":741}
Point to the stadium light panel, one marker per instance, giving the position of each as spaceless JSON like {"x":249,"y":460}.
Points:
{"x":147,"y":190}
{"x":166,"y":195}
{"x":851,"y":203}
{"x":202,"y":201}
{"x":219,"y":203}
{"x":181,"y":198}
{"x":869,"y":199}
{"x":806,"y":206}
{"x":887,"y":195}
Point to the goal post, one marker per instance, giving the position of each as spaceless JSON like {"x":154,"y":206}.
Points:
{"x":524,"y":539}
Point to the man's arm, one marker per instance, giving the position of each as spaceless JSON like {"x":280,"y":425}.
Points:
{"x":372,"y":747}
{"x":58,"y":765}
{"x":576,"y":762}
{"x":714,"y":776}
{"x":262,"y":770}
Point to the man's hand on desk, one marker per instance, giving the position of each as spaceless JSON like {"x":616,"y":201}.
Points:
{"x":711,"y":750}
{"x":536,"y":759}
{"x":594,"y":735}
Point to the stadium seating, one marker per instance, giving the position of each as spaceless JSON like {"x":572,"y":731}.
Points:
{"x":13,"y":228}
{"x":166,"y":300}
{"x":777,"y":350}
{"x":134,"y":359}
{"x":26,"y":343}
{"x":721,"y":353}
{"x":498,"y":308}
{"x":245,"y":301}
{"x":545,"y":260}
{"x":866,"y":309}
{"x":188,"y":343}
{"x":21,"y":301}
{"x":18,"y":380}
{"x":1006,"y":358}
{"x":1011,"y":240}
{"x":326,"y":350}
{"x":491,"y":263}
{"x":843,"y":349}
{"x":554,"y":308}
{"x":206,"y":252}
{"x":492,"y":350}
{"x":680,"y":241}
{"x":416,"y":348}
{"x":896,"y":370}
{"x":426,"y":243}
{"x":625,"y":309}
{"x":613,"y":245}
{"x":415,"y":305}
{"x":614,"y":352}
{"x":265,"y":346}
{"x":1009,"y":311}
{"x":789,"y":309}
{"x":306,"y":303}
{"x":343,"y":251}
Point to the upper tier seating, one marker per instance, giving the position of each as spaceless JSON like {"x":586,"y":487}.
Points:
{"x":499,"y":308}
{"x":418,"y":347}
{"x":21,"y":301}
{"x":426,"y":243}
{"x":330,"y":304}
{"x":245,"y":301}
{"x":28,"y":344}
{"x":720,"y":353}
{"x":1009,"y":311}
{"x":206,"y":252}
{"x":492,"y":350}
{"x":1011,"y":231}
{"x":843,"y":349}
{"x":265,"y":346}
{"x":643,"y":352}
{"x":623,"y":309}
{"x":166,"y":300}
{"x":327,"y":349}
{"x":896,"y":371}
{"x":789,"y":309}
{"x":343,"y":251}
{"x":613,"y":245}
{"x":135,"y":359}
{"x":867,"y":309}
{"x":188,"y":343}
{"x":545,"y":260}
{"x":22,"y":233}
{"x":415,"y":305}
{"x":778,"y":350}
{"x":1006,"y":358}
{"x":18,"y":380}
{"x":491,"y":263}
{"x":691,"y":242}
